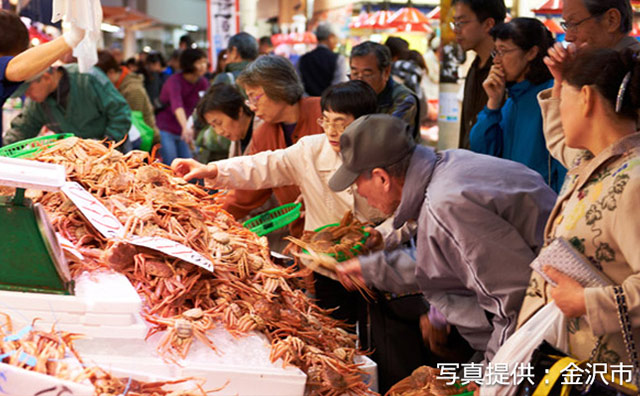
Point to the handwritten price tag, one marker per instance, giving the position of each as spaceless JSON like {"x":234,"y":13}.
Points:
{"x":97,"y":214}
{"x":108,"y":225}
{"x":174,"y":249}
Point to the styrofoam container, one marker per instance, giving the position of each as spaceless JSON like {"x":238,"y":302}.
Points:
{"x":104,"y":305}
{"x":15,"y":381}
{"x":21,"y":173}
{"x":241,"y":363}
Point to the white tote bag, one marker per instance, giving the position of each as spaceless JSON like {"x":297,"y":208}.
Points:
{"x":549,"y":324}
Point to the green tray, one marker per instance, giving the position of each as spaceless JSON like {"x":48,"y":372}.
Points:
{"x":273,"y":219}
{"x":29,"y":147}
{"x":341,"y":256}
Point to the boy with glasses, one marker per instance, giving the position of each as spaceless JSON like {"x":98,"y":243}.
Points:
{"x":473,"y":20}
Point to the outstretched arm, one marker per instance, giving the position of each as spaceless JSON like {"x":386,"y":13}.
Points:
{"x":34,"y":60}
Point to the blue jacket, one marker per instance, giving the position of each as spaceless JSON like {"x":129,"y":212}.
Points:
{"x":514,"y":132}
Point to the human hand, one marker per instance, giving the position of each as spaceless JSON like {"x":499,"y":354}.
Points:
{"x":189,"y":169}
{"x":374,"y":241}
{"x":187,"y":135}
{"x":348,"y":270}
{"x":556,"y":56}
{"x":435,"y":337}
{"x":300,"y":199}
{"x":568,"y":294}
{"x":494,"y":85}
{"x":73,"y":36}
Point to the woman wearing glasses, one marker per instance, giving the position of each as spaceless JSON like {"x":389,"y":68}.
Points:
{"x":513,"y":130}
{"x":274,"y":94}
{"x":307,"y":164}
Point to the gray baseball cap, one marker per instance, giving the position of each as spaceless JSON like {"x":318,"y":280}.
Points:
{"x":371,"y":141}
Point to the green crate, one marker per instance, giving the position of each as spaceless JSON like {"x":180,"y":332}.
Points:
{"x":341,"y":256}
{"x":273,"y":219}
{"x":30,"y":147}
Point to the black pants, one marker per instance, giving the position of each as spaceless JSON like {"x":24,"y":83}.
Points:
{"x":394,"y":337}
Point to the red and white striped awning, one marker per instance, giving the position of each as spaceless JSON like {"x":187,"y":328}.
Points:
{"x":553,"y":7}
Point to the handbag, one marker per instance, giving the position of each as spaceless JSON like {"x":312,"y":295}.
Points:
{"x":549,"y":364}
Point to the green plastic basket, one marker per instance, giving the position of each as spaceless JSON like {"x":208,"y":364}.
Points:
{"x":29,"y":147}
{"x":273,"y":219}
{"x":356,"y":249}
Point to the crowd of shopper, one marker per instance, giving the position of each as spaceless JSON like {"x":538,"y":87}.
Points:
{"x":548,"y":146}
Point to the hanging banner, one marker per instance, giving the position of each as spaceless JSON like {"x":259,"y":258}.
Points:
{"x":223,"y":21}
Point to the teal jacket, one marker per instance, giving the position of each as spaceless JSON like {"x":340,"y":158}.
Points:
{"x":85,"y":104}
{"x":514,"y":132}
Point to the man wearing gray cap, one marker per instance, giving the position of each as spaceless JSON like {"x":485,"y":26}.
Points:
{"x":480,"y":223}
{"x":321,"y":67}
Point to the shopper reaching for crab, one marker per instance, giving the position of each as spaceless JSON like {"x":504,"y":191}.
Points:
{"x":309,"y":164}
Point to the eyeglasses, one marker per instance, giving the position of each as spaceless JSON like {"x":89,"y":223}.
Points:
{"x":367,"y":75}
{"x":252,"y":101}
{"x":457,"y":25}
{"x":501,"y":52}
{"x":336,"y":126}
{"x":566,"y":26}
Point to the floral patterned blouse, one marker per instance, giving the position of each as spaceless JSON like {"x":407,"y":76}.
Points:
{"x":598,"y":212}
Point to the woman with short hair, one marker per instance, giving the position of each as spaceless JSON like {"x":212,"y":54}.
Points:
{"x":223,"y":108}
{"x":274,"y":94}
{"x":308,"y":164}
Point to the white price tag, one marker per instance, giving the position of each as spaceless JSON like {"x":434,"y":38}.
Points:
{"x":68,"y":246}
{"x":97,"y":214}
{"x":172,"y":248}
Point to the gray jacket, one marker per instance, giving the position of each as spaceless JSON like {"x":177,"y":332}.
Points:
{"x":480,"y":224}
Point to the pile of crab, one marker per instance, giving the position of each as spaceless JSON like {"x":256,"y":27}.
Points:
{"x":246,"y":291}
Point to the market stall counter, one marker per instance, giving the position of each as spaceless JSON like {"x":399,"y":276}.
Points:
{"x":165,"y":285}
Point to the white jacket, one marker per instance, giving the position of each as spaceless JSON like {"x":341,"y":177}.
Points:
{"x":308,"y":164}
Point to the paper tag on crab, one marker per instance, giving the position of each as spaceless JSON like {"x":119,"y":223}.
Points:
{"x":98,"y":215}
{"x":67,"y":245}
{"x":172,"y":248}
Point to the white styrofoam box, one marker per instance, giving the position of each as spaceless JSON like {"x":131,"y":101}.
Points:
{"x":40,"y":302}
{"x":15,"y":381}
{"x":243,"y":362}
{"x":23,"y":173}
{"x":104,"y":305}
{"x":107,"y":293}
{"x":137,"y":329}
{"x":96,"y":319}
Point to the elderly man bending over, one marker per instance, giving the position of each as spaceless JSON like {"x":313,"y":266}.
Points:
{"x":480,"y":223}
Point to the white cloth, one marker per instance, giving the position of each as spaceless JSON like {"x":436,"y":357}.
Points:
{"x":86,"y":15}
{"x":308,"y":164}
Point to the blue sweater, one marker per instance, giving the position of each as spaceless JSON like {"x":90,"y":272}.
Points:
{"x":514,"y":132}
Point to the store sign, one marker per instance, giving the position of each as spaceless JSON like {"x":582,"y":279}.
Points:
{"x":108,"y":225}
{"x":172,"y":248}
{"x":223,"y":21}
